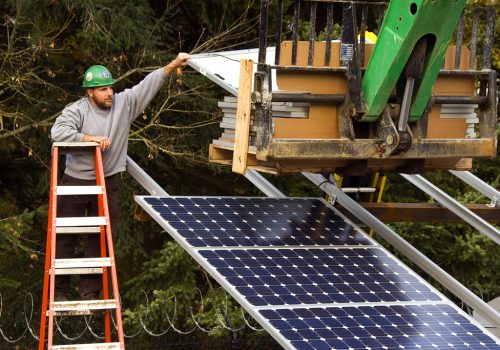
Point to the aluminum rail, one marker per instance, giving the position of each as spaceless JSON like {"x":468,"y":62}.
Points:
{"x":262,"y":184}
{"x":406,"y":248}
{"x":144,"y":179}
{"x":481,"y":186}
{"x":454,"y":206}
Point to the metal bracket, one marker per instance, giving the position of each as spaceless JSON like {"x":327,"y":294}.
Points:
{"x":262,"y":101}
{"x":387,"y":135}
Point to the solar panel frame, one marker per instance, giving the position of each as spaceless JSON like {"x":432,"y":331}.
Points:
{"x":253,"y":310}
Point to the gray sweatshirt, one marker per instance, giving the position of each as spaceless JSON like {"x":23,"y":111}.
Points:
{"x":81,"y":118}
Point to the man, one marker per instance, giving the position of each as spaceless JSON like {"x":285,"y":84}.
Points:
{"x":103,"y":117}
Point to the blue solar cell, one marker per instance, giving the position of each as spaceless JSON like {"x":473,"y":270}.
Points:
{"x":316,"y":276}
{"x":252,"y":222}
{"x":268,"y":251}
{"x":374,"y":327}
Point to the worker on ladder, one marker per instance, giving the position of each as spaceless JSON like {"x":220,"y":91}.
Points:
{"x":103,"y":117}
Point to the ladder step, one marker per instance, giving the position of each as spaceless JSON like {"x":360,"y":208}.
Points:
{"x":78,"y":230}
{"x":81,"y":221}
{"x":82,"y":307}
{"x":82,"y":262}
{"x":80,"y":271}
{"x":75,"y":144}
{"x":83,"y":266}
{"x":96,"y":346}
{"x":78,"y":190}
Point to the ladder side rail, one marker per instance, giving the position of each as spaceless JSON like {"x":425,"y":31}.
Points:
{"x":407,"y":249}
{"x":52,"y":218}
{"x":109,"y":239}
{"x":453,"y":205}
{"x":53,"y":199}
{"x":51,"y":231}
{"x":478,"y":184}
{"x":102,"y":237}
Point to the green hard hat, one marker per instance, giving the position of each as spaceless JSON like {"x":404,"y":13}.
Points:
{"x":97,"y":76}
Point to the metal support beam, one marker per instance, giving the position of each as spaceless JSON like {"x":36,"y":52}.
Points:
{"x":262,"y":184}
{"x":479,"y":185}
{"x":457,"y":208}
{"x":407,"y":249}
{"x":144,"y":179}
{"x":423,"y":212}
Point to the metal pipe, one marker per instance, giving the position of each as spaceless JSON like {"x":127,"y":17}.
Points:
{"x":279,"y":28}
{"x":488,"y":37}
{"x":312,"y":33}
{"x":407,"y":249}
{"x":329,"y":30}
{"x":473,"y":40}
{"x":380,"y":18}
{"x":479,"y":185}
{"x":460,"y":40}
{"x":262,"y":184}
{"x":461,"y":100}
{"x":313,"y":98}
{"x":362,"y":33}
{"x":144,"y":179}
{"x":360,"y":2}
{"x":295,"y":34}
{"x":264,"y":14}
{"x":457,"y":208}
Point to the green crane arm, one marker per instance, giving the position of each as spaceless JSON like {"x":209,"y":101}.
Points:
{"x":409,"y":24}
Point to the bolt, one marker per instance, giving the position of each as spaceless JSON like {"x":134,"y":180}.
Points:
{"x":389,"y":139}
{"x":255,"y":97}
{"x":352,"y":111}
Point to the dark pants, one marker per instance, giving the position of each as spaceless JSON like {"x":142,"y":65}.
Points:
{"x":77,"y":206}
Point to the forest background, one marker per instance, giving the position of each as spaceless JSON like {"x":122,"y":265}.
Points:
{"x":169,"y":301}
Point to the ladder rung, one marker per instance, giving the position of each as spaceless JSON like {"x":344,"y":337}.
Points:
{"x":82,"y":307}
{"x":83,"y":266}
{"x":78,"y":190}
{"x":75,"y":144}
{"x":82,"y":262}
{"x":96,"y":346}
{"x":81,"y":221}
{"x":75,"y":147}
{"x":78,"y":230}
{"x":80,"y":271}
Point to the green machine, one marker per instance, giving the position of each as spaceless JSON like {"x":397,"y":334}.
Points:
{"x":408,"y":55}
{"x":404,"y":112}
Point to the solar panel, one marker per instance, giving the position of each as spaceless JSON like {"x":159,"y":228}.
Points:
{"x":435,"y":326}
{"x":311,"y":278}
{"x":212,"y":222}
{"x":317,"y":276}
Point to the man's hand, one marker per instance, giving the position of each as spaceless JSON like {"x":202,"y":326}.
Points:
{"x":103,"y":141}
{"x":179,"y":61}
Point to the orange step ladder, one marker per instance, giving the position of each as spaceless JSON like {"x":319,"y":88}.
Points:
{"x":54,"y":267}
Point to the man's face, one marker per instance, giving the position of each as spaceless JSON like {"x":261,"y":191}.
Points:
{"x":101,"y":96}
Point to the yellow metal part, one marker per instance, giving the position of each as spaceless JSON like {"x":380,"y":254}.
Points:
{"x":339,"y":179}
{"x":378,"y":182}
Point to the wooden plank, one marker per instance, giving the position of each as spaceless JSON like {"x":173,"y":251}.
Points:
{"x":243,"y":117}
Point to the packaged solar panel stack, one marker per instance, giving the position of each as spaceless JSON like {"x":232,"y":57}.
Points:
{"x":279,"y":109}
{"x":464,"y":111}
